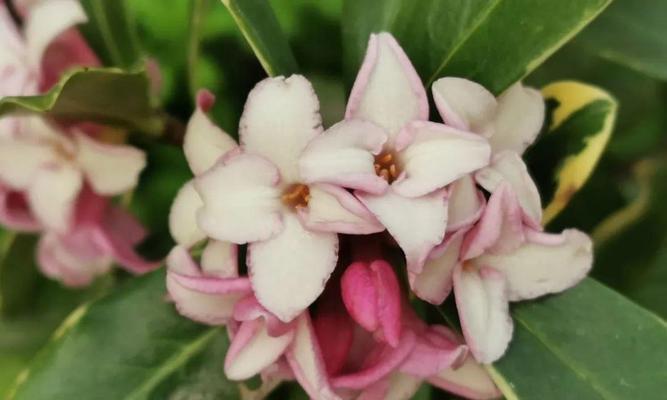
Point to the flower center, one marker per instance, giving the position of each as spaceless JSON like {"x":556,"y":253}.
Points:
{"x":296,"y":196}
{"x":62,"y":150}
{"x":387,"y":166}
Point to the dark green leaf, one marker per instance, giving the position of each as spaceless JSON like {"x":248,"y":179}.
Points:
{"x":106,"y":95}
{"x":493,"y":42}
{"x":123,"y":346}
{"x":259,"y":25}
{"x":632,"y":33}
{"x":111,"y":32}
{"x":587,"y":343}
{"x":18,"y":272}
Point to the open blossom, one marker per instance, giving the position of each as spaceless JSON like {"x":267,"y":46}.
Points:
{"x":511,"y":123}
{"x":257,"y":195}
{"x":53,"y":179}
{"x":501,"y":259}
{"x":401,"y":181}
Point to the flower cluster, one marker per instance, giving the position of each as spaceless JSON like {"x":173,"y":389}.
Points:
{"x":319,"y":296}
{"x":56,"y":179}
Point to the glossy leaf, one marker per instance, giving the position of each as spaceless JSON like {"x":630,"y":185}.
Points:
{"x":128,"y":345}
{"x":493,"y":42}
{"x":580,"y":121}
{"x":259,"y":25}
{"x":587,"y":343}
{"x":106,"y":95}
{"x":111,"y":32}
{"x":632,"y":33}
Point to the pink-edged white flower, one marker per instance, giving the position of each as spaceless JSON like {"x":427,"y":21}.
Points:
{"x":511,"y":123}
{"x":209,"y":291}
{"x":502,"y":258}
{"x":50,"y":167}
{"x":204,"y":144}
{"x":102,"y":234}
{"x":402,"y":181}
{"x":257,"y":195}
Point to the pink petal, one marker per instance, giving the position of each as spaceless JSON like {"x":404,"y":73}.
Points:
{"x":387,"y":90}
{"x":465,"y":205}
{"x":253,"y":349}
{"x":546,"y":263}
{"x":183,"y":216}
{"x":280,"y":117}
{"x":481,"y":299}
{"x":119,"y":220}
{"x":470,"y":380}
{"x":433,"y":352}
{"x":220,"y":259}
{"x":45,"y":21}
{"x":508,"y":167}
{"x":15,"y":211}
{"x":397,"y":386}
{"x":289,"y":271}
{"x":52,"y":196}
{"x":68,"y":50}
{"x":305,"y":358}
{"x":248,"y":309}
{"x":417,"y":224}
{"x":75,"y":261}
{"x":360,"y":295}
{"x":465,"y":104}
{"x":204,"y":142}
{"x":388,"y":301}
{"x":110,"y":169}
{"x":334,"y":329}
{"x":501,"y":227}
{"x":333,"y":209}
{"x":435,"y":155}
{"x":207,"y":300}
{"x":380,"y":363}
{"x":344,"y":156}
{"x":434,"y":282}
{"x":520,"y":115}
{"x":241,"y":201}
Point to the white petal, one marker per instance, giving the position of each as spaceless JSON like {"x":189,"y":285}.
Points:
{"x":435,"y":281}
{"x":398,"y":386}
{"x":220,"y":259}
{"x":183,"y":216}
{"x":48,"y":19}
{"x":465,"y":104}
{"x":508,"y":167}
{"x":53,"y":194}
{"x":305,"y":359}
{"x":519,"y":118}
{"x":241,"y":201}
{"x":20,"y":161}
{"x":547,"y":263}
{"x":466,"y":203}
{"x":387,"y":90}
{"x":204,"y":142}
{"x":110,"y":169}
{"x":434,"y":155}
{"x":417,"y":224}
{"x":288,"y":272}
{"x":257,"y":351}
{"x":481,"y":299}
{"x":280,"y":117}
{"x":344,"y":155}
{"x":333,"y":209}
{"x":470,"y":381}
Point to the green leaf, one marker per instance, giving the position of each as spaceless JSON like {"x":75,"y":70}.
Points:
{"x":493,"y":42}
{"x":106,"y":95}
{"x":111,"y":32}
{"x":18,"y":272}
{"x":129,"y":345}
{"x":259,"y":25}
{"x":197,"y":15}
{"x":580,"y":121}
{"x":632,"y":33}
{"x":587,"y":343}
